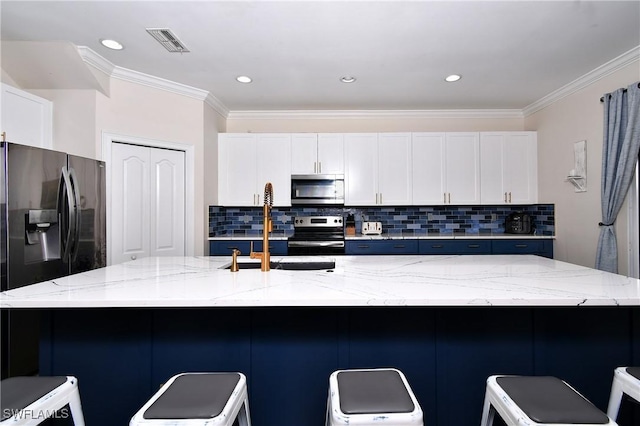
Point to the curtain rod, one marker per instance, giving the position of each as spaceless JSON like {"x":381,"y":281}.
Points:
{"x":602,"y":98}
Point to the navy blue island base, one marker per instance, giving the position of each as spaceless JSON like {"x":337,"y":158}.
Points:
{"x":122,"y":355}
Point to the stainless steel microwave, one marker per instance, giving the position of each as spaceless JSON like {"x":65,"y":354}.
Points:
{"x":317,"y":189}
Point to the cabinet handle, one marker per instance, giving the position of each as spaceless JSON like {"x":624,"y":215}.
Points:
{"x":363,"y":246}
{"x":444,"y":197}
{"x":509,"y":197}
{"x":319,"y":166}
{"x":315,"y":167}
{"x":399,"y":246}
{"x":376,"y":198}
{"x":522,"y":245}
{"x":473,"y":245}
{"x":381,"y":198}
{"x":437,"y":246}
{"x":232,"y":247}
{"x":449,"y":198}
{"x":505,"y":197}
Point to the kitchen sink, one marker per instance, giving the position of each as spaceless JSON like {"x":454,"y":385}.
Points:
{"x":290,"y":266}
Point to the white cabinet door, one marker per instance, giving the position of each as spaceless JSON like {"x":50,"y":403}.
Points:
{"x":147,"y":202}
{"x":313,"y":153}
{"x":247,"y":162}
{"x":521,"y":164}
{"x":462,"y":170}
{"x":509,"y":167}
{"x":304,"y":153}
{"x":394,"y":169}
{"x":428,"y":164}
{"x":273,"y":158}
{"x":331,"y":153}
{"x":361,"y":168}
{"x":237,"y":170}
{"x":26,"y":119}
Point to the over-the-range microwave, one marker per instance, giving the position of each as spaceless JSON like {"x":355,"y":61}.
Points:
{"x":317,"y":189}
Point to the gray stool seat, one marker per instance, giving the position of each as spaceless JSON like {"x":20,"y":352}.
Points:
{"x":550,"y":400}
{"x":634,"y":371}
{"x":538,"y":401}
{"x":371,"y":397}
{"x":373,"y":392}
{"x":29,"y":400}
{"x":194,"y":396}
{"x":203,"y":399}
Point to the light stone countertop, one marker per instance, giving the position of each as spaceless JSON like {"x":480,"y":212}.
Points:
{"x":386,"y":236}
{"x":471,"y":280}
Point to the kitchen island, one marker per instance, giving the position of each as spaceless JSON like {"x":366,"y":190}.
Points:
{"x":447,"y":321}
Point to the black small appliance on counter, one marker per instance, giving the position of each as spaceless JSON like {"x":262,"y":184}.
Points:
{"x":518,"y":223}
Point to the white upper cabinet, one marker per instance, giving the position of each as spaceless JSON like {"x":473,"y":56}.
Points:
{"x":509,"y":167}
{"x":377,"y":169}
{"x":247,"y":162}
{"x":394,"y":169}
{"x":321,"y":153}
{"x":26,"y":119}
{"x":428,"y":168}
{"x":446,"y":168}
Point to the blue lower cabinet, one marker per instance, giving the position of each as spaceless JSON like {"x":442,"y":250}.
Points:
{"x":525,"y":246}
{"x":382,"y":247}
{"x":454,"y":247}
{"x":225,"y":247}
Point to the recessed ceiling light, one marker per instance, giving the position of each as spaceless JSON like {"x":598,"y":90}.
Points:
{"x":111,"y":44}
{"x":347,"y":79}
{"x":453,"y":77}
{"x":243,"y":79}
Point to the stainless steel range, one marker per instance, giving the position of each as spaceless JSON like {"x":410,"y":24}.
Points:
{"x":317,"y":235}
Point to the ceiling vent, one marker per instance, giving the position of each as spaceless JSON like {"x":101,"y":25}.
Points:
{"x":168,"y":39}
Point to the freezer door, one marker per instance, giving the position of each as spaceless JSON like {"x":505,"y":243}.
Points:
{"x":32,"y":243}
{"x":88,"y":248}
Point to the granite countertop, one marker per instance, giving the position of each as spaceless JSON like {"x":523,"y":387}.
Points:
{"x":471,"y":280}
{"x":387,"y":236}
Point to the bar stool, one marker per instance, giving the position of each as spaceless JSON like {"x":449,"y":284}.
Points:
{"x":202,"y":399}
{"x":626,"y":380}
{"x":30,"y":400}
{"x":538,"y":401}
{"x":370,"y":397}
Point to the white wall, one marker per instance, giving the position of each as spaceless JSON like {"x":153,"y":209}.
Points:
{"x":374,"y":123}
{"x":214,"y":123}
{"x":574,"y":118}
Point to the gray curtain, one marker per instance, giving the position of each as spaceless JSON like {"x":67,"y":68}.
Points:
{"x":619,"y":157}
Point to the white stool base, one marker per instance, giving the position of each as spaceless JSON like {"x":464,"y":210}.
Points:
{"x":623,"y":383}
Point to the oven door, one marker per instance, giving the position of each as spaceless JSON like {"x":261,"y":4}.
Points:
{"x":308,"y":248}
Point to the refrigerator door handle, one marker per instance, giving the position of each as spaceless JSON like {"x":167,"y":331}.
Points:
{"x":67,"y":222}
{"x":75,"y":217}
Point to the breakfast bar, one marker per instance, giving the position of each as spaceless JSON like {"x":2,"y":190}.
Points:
{"x":448,"y":322}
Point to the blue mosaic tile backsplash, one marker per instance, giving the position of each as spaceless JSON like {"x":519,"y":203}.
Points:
{"x":406,"y":221}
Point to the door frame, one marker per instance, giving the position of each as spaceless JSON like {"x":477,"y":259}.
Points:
{"x":108,"y":139}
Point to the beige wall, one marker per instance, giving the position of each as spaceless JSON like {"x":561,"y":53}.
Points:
{"x":214,"y":123}
{"x":292,"y":123}
{"x":144,"y":112}
{"x":574,"y":118}
{"x":74,"y":120}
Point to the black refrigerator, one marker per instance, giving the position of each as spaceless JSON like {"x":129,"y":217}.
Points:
{"x":52,"y":224}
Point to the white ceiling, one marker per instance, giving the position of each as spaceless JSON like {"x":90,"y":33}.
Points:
{"x":510,"y":53}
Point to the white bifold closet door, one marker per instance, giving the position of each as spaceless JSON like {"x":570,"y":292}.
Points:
{"x":147,"y":202}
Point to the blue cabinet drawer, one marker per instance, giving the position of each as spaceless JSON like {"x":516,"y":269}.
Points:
{"x":454,"y":247}
{"x":382,"y":247}
{"x":525,"y":246}
{"x":225,"y":247}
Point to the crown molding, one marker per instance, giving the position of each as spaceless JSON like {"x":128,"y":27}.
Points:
{"x":373,"y":114}
{"x":217,"y":105}
{"x":92,"y":58}
{"x":584,"y":81}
